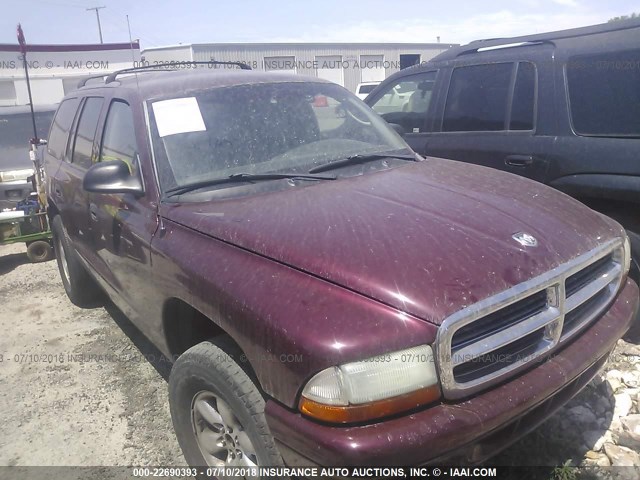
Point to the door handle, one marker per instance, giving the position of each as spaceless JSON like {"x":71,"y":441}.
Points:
{"x":519,"y":160}
{"x":93,"y":211}
{"x":57,"y":192}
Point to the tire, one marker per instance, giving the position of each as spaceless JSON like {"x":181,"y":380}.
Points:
{"x":81,"y":288}
{"x":634,"y":240}
{"x":209,"y":392}
{"x":39,"y":251}
{"x":633,"y":335}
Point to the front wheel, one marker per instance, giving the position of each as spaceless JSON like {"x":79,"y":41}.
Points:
{"x":218,"y":411}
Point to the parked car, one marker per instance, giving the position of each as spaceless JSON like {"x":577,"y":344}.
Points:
{"x":329,"y":297}
{"x":562,"y":108}
{"x":365,"y":88}
{"x":16,"y":129}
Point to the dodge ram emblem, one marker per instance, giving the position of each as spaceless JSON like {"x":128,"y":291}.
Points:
{"x":525,"y":239}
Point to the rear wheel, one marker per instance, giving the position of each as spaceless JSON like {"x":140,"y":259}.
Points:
{"x":218,"y":411}
{"x":39,"y":251}
{"x":634,"y":240}
{"x":81,"y":288}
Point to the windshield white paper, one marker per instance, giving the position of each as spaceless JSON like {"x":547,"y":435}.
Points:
{"x":178,"y":115}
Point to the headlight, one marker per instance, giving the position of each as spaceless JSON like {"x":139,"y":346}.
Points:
{"x":372,"y":388}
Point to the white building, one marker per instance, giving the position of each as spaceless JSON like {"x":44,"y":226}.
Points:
{"x":55,"y":70}
{"x":347,"y":64}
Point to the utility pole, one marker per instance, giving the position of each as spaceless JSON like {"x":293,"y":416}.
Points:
{"x":98,"y":17}
{"x":133,"y":58}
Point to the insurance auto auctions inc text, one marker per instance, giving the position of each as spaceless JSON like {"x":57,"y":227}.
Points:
{"x":343,"y":472}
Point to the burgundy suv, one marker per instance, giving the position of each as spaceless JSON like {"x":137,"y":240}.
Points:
{"x":329,"y":297}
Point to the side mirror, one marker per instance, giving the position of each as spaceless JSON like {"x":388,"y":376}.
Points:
{"x":398,"y":128}
{"x":111,"y":177}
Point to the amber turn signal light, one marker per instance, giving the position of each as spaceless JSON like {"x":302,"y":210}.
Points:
{"x":369,"y":411}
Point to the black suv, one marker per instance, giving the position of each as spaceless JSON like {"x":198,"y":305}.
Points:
{"x":561,"y":108}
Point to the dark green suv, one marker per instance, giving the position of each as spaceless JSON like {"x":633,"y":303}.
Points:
{"x":562,"y":108}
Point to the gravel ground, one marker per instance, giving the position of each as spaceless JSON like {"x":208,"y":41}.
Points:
{"x":76,"y":386}
{"x":84,"y":387}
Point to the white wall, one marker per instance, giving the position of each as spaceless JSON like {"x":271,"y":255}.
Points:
{"x":45,"y":91}
{"x":54,"y":73}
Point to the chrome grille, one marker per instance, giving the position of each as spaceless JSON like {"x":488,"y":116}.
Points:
{"x":497,"y":337}
{"x":497,"y":321}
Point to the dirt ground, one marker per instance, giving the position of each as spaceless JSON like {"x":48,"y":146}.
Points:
{"x":84,"y":387}
{"x":77,"y":386}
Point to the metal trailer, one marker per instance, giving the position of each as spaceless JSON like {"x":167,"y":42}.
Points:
{"x":29,"y":222}
{"x":32,"y":229}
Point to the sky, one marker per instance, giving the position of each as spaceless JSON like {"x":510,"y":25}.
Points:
{"x":157,"y":23}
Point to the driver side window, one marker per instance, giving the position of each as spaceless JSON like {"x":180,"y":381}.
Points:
{"x":406,"y":101}
{"x":119,"y":140}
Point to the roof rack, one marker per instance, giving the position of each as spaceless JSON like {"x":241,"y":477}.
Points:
{"x":170,"y":67}
{"x":111,"y":77}
{"x":479,"y":48}
{"x":84,"y":81}
{"x":547,"y":37}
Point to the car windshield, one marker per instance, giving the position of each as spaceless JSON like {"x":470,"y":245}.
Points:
{"x":16,"y":129}
{"x":263,"y":128}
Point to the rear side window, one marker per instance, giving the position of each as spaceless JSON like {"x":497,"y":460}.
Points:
{"x":604,"y":92}
{"x":86,"y":132}
{"x":486,"y":97}
{"x":60,"y":127}
{"x":119,"y":139}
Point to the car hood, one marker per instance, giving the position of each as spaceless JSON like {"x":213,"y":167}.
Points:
{"x":428,"y":238}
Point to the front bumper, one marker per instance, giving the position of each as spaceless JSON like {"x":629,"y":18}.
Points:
{"x":466,"y":432}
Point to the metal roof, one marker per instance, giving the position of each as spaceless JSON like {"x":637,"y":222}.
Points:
{"x":84,"y":47}
{"x":305,"y":45}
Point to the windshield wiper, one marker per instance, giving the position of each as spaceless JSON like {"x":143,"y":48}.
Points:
{"x":361,"y":158}
{"x":244,"y":177}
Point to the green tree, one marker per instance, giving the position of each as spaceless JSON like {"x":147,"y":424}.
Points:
{"x":624,"y":17}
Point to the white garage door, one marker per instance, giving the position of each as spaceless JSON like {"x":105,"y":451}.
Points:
{"x":371,"y":68}
{"x":330,"y":68}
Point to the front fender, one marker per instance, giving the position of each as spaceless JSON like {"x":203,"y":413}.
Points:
{"x":289,"y":324}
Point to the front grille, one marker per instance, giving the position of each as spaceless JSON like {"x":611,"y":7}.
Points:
{"x":497,"y":321}
{"x":499,"y":336}
{"x":579,"y":279}
{"x":573,"y":318}
{"x":496,"y":360}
